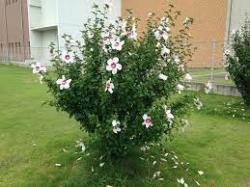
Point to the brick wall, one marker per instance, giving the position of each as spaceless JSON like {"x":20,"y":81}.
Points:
{"x":14,"y":32}
{"x":209,"y":24}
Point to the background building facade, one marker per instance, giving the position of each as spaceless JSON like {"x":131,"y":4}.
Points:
{"x":209,"y":23}
{"x":28,"y":26}
{"x":214,"y":20}
{"x":14,"y":32}
{"x":50,"y":19}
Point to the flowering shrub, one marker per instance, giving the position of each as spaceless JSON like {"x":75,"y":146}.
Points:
{"x":117,"y":85}
{"x":238,"y":62}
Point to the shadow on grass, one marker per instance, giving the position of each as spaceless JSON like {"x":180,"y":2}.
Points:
{"x":154,"y":166}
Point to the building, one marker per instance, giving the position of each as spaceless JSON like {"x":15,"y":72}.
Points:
{"x":28,"y":26}
{"x":214,"y":20}
{"x":14,"y":32}
{"x":50,"y":19}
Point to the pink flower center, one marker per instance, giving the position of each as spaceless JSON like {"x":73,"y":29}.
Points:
{"x":148,"y":121}
{"x":117,"y":44}
{"x":37,"y":68}
{"x":113,"y":65}
{"x":67,"y":57}
{"x":161,"y":32}
{"x":64,"y":82}
{"x":108,"y":85}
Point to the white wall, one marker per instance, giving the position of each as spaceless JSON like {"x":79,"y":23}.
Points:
{"x":35,"y":16}
{"x":239,"y":10}
{"x":72,"y":16}
{"x":67,"y":15}
{"x":49,"y":12}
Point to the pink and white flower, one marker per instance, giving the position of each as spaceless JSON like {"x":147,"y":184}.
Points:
{"x":38,"y":68}
{"x":64,"y":83}
{"x":187,"y":21}
{"x":123,"y":26}
{"x":165,"y":52}
{"x":162,"y":33}
{"x":198,"y":103}
{"x":106,"y":36}
{"x":208,"y":87}
{"x":116,"y":126}
{"x":90,"y":35}
{"x":227,"y":76}
{"x":169,"y":114}
{"x":182,"y":181}
{"x":188,"y":77}
{"x":181,"y":67}
{"x":163,"y":77}
{"x":177,"y":59}
{"x":109,"y":86}
{"x":180,"y":88}
{"x":227,"y":52}
{"x":200,"y":172}
{"x":113,"y":65}
{"x":159,"y":34}
{"x":165,"y":20}
{"x":117,"y":44}
{"x":147,"y":121}
{"x":133,"y":33}
{"x":108,"y":3}
{"x":67,"y":57}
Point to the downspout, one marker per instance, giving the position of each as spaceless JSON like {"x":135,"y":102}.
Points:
{"x":7,"y":34}
{"x":228,"y":26}
{"x":22,"y":51}
{"x":58,"y":26}
{"x":229,"y":22}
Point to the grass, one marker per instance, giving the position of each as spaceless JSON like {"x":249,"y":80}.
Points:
{"x":206,"y":71}
{"x":34,"y":137}
{"x":204,"y":75}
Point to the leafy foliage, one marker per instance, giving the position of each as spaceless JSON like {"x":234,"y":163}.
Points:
{"x":117,"y":85}
{"x":238,"y":63}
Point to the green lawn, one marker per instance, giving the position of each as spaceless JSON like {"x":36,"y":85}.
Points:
{"x":34,"y":137}
{"x":204,"y":75}
{"x":205,"y":71}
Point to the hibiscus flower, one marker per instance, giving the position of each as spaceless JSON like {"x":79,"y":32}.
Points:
{"x":64,"y":83}
{"x":165,"y":52}
{"x":38,"y":68}
{"x":116,"y":126}
{"x":188,"y":77}
{"x":133,"y":33}
{"x":198,"y":103}
{"x":180,"y":88}
{"x":117,"y":44}
{"x":208,"y":87}
{"x":162,"y":33}
{"x":113,"y":65}
{"x":67,"y":57}
{"x":169,"y":115}
{"x":163,"y":77}
{"x":109,"y":86}
{"x":147,"y":121}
